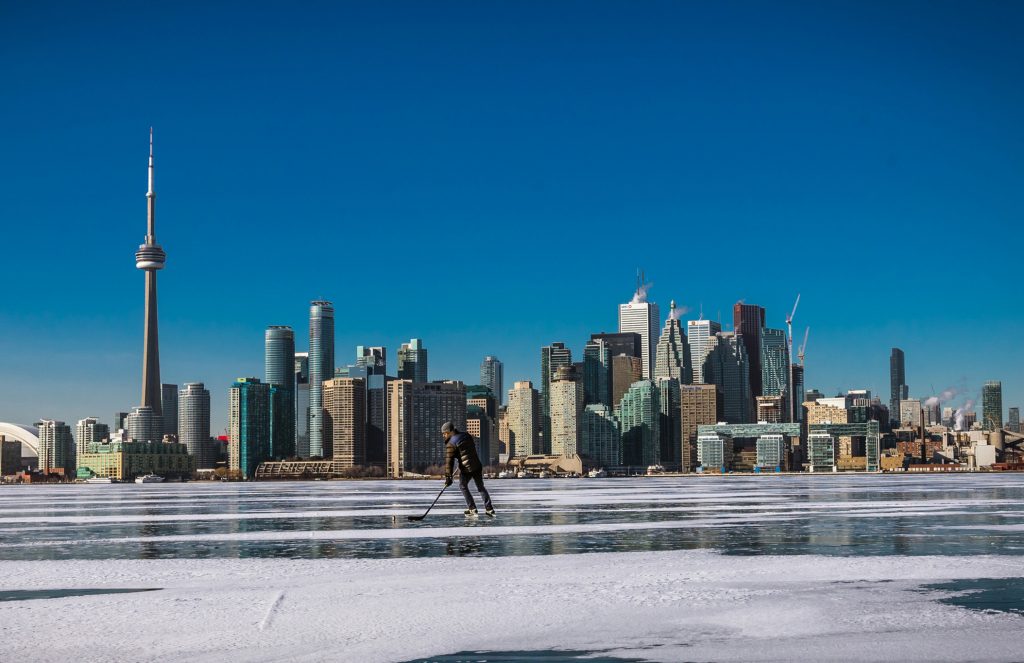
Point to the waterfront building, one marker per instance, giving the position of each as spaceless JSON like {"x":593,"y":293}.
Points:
{"x":992,"y":405}
{"x":492,"y":375}
{"x":194,"y":423}
{"x":321,"y":367}
{"x":771,"y":452}
{"x":345,"y":420}
{"x":821,"y":455}
{"x":700,"y":335}
{"x":672,"y":354}
{"x":416,"y":411}
{"x":412,"y":361}
{"x":89,"y":431}
{"x":566,"y":412}
{"x":642,"y":317}
{"x":523,"y":415}
{"x":601,"y":436}
{"x":749,"y":320}
{"x":169,"y":408}
{"x":125,"y":461}
{"x":279,"y":372}
{"x":699,"y":405}
{"x":640,"y":418}
{"x":551,"y":358}
{"x":248,"y":426}
{"x":714,"y":452}
{"x":56,"y":448}
{"x":898,"y":389}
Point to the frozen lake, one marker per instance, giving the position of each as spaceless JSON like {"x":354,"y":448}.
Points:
{"x":692,"y":568}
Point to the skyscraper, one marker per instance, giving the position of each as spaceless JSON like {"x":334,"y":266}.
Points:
{"x":374,"y":357}
{"x":898,"y":390}
{"x":302,"y":404}
{"x":248,"y":426}
{"x":144,"y":425}
{"x":640,"y":418}
{"x":672,"y":356}
{"x":1013,"y":421}
{"x":642,"y":317}
{"x":412,"y":361}
{"x":566,"y":412}
{"x":726,"y":366}
{"x":321,"y":367}
{"x":626,"y":343}
{"x":523,"y":419}
{"x":748,"y":320}
{"x":492,"y":375}
{"x":551,"y":358}
{"x":992,"y":405}
{"x":669,"y":423}
{"x":625,"y":371}
{"x":774,"y":367}
{"x":56,"y":448}
{"x":345,"y":419}
{"x":597,"y":372}
{"x":169,"y":408}
{"x":699,"y":335}
{"x":601,"y":438}
{"x":279,"y":369}
{"x":194,"y":423}
{"x":150,"y":258}
{"x":416,"y":411}
{"x":89,"y":431}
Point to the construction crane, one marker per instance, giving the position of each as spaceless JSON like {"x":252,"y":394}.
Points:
{"x":789,"y":385}
{"x":803,"y":347}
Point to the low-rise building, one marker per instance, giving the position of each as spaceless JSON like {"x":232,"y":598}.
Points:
{"x":124,"y":461}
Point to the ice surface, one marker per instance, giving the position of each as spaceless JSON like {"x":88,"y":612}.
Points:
{"x":695,"y":568}
{"x":663,"y":606}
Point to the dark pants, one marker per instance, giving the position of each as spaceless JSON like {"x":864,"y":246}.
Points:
{"x":478,"y":479}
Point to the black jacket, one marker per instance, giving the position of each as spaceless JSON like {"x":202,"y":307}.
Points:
{"x":461,"y":447}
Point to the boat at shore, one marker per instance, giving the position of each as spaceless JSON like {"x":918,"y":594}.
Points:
{"x":149,"y":478}
{"x":99,"y":480}
{"x":597,"y":474}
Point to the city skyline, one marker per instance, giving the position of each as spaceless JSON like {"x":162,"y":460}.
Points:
{"x":684,"y":163}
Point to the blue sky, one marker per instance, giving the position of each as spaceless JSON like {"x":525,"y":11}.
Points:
{"x":489,"y":176}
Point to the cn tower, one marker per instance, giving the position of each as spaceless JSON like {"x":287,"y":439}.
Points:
{"x":150,"y":258}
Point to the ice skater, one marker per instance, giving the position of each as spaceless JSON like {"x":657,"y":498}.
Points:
{"x":461,"y":446}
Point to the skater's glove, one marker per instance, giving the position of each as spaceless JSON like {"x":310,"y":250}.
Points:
{"x":447,"y":480}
